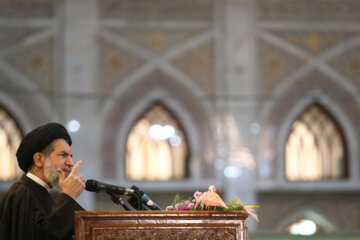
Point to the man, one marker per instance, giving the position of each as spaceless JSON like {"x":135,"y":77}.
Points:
{"x":27,"y":211}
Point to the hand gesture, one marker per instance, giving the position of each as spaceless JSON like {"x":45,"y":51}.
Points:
{"x":73,"y":184}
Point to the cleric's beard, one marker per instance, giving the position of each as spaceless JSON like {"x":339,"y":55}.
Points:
{"x":51,"y":173}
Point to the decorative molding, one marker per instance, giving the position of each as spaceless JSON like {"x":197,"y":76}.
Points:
{"x":118,"y":225}
{"x":24,"y":8}
{"x":165,"y":234}
{"x":116,"y":63}
{"x":275,"y":64}
{"x":36,"y":62}
{"x":10,"y":35}
{"x":309,"y":10}
{"x":156,"y":40}
{"x":348,"y":64}
{"x":314,"y":42}
{"x":157,"y":9}
{"x":198,"y":63}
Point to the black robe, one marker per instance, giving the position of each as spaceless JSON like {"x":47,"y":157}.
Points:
{"x":27,"y":211}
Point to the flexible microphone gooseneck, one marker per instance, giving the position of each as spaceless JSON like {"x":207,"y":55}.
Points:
{"x":149,"y":204}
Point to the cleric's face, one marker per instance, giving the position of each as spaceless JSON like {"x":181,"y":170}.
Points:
{"x":60,"y":157}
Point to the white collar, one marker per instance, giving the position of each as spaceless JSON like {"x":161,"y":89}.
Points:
{"x":38,"y":180}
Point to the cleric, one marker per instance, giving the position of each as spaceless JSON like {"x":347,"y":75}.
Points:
{"x":27,"y":210}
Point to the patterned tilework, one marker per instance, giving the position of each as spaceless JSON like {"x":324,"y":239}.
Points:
{"x":314,"y":42}
{"x":309,"y":9}
{"x":35,"y":62}
{"x":198,"y":63}
{"x":156,"y":40}
{"x":316,"y":81}
{"x":10,"y":36}
{"x":116,"y":63}
{"x":25,"y":8}
{"x":156,"y":9}
{"x":162,"y":25}
{"x":348,"y":64}
{"x":275,"y":64}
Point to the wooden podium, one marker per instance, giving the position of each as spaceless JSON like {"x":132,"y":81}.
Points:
{"x":160,"y":225}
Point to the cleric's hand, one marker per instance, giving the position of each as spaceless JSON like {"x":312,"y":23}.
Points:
{"x":73,"y":184}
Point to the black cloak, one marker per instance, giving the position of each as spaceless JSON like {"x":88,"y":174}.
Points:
{"x":28,"y":212}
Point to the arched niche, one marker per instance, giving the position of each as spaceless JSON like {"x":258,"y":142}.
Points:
{"x":10,"y":138}
{"x":191,"y":113}
{"x":316,"y":148}
{"x":157,"y":146}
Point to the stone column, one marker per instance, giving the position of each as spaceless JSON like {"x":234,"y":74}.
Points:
{"x":80,"y":84}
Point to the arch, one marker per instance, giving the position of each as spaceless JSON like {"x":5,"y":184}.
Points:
{"x":151,"y":157}
{"x":337,"y":113}
{"x":125,"y":110}
{"x":17,"y":112}
{"x":10,"y":138}
{"x":19,"y":109}
{"x":315,"y":148}
{"x":284,"y":110}
{"x":320,"y":219}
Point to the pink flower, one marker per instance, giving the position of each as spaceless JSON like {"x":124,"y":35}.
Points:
{"x":249,"y":209}
{"x":212,"y":199}
{"x":169,"y":208}
{"x":184,"y":208}
{"x":212,"y":188}
{"x":197,"y":194}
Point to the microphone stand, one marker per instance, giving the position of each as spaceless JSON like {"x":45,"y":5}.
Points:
{"x":136,"y":202}
{"x":118,"y":200}
{"x":139,"y":202}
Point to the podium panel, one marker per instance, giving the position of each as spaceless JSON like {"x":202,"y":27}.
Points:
{"x":160,"y":225}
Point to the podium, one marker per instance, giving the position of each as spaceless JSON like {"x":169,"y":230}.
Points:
{"x":160,"y":225}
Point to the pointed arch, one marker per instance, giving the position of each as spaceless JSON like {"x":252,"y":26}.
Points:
{"x":316,"y":148}
{"x":122,"y":112}
{"x":10,"y":138}
{"x":156,"y":147}
{"x":279,"y":117}
{"x":323,"y":223}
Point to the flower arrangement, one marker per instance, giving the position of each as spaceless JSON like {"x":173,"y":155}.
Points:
{"x":210,"y":200}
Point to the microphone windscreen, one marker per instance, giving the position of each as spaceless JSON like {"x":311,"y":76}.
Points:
{"x":91,"y":185}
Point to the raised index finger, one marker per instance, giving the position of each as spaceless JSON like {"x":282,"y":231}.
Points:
{"x":75,"y":168}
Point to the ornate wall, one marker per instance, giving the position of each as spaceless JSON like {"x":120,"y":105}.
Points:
{"x":162,"y":47}
{"x":308,"y":53}
{"x":26,"y":58}
{"x":221,"y":67}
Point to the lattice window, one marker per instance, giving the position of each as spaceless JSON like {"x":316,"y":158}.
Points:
{"x":10,"y":138}
{"x":156,"y":147}
{"x":315,"y":149}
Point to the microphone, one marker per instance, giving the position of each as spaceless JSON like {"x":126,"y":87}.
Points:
{"x":136,"y":202}
{"x":145,"y":199}
{"x":96,"y":186}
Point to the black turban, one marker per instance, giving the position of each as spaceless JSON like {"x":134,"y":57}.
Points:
{"x":37,"y":140}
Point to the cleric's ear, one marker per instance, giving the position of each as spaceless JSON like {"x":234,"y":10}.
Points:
{"x":39,"y":159}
